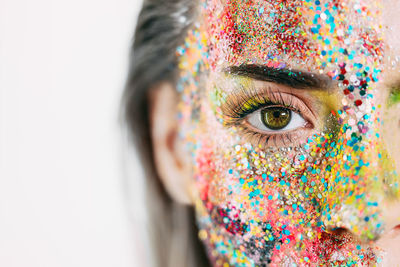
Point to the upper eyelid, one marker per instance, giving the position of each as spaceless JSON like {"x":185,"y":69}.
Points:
{"x":237,"y":109}
{"x":244,"y":95}
{"x":272,"y":103}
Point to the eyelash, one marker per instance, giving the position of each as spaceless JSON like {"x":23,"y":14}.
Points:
{"x":250,"y":100}
{"x":236,"y":106}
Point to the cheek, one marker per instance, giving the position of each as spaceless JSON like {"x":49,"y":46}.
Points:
{"x":251,"y":195}
{"x":286,"y":186}
{"x":255,"y":186}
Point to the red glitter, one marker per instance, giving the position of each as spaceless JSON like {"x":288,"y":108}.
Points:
{"x":358,"y":102}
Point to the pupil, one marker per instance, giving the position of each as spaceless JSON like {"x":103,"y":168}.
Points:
{"x":277,"y":114}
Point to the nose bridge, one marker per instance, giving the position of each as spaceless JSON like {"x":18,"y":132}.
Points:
{"x":378,"y":166}
{"x":364,"y":183}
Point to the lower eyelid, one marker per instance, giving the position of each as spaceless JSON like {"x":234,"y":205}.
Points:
{"x":285,"y":139}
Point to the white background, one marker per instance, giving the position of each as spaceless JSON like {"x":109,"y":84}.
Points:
{"x":63,"y":198}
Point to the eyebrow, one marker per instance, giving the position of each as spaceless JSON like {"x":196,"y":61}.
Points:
{"x":292,"y":78}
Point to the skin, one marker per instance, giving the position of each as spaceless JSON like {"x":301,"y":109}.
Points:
{"x":323,"y":193}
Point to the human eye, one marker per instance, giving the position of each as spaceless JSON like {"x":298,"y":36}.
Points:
{"x":270,"y":118}
{"x":276,"y":119}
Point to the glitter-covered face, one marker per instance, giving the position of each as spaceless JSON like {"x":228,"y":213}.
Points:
{"x":290,"y":110}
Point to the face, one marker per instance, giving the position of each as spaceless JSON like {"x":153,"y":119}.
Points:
{"x":290,"y":112}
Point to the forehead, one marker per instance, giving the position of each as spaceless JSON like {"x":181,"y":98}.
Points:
{"x":303,"y":34}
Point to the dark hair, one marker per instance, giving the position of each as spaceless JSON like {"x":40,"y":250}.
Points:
{"x":161,"y":27}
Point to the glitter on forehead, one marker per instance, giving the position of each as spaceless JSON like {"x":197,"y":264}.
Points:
{"x":260,"y":204}
{"x":243,"y":28}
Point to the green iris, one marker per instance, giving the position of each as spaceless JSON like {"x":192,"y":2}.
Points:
{"x":276,"y":118}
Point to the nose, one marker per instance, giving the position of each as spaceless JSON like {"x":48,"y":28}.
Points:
{"x":389,"y":229}
{"x":363,"y":196}
{"x":385,"y":251}
{"x":391,"y":218}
